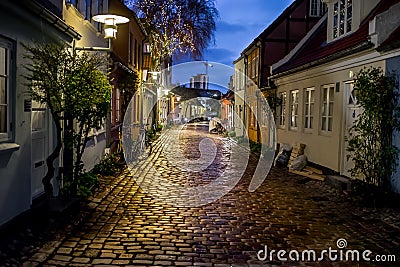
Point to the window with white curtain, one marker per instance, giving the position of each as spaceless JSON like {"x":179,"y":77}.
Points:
{"x":328,"y":92}
{"x":309,"y":108}
{"x":294,"y":109}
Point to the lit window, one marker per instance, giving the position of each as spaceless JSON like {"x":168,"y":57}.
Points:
{"x":282,"y":111}
{"x":327,"y":108}
{"x":309,"y":108}
{"x":294,"y":108}
{"x":342,"y":17}
{"x":5,"y":111}
{"x":317,"y":8}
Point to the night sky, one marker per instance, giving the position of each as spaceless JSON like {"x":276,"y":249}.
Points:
{"x":240,"y":22}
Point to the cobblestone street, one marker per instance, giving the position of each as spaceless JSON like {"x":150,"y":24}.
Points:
{"x":125,"y":226}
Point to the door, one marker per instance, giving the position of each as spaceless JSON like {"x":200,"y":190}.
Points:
{"x":352,"y":111}
{"x":40,"y":147}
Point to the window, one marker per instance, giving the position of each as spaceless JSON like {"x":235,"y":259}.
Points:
{"x":5,"y":100}
{"x":327,"y":108}
{"x":99,"y":6}
{"x":135,"y":53}
{"x":241,"y":84}
{"x":99,"y":11}
{"x":282,"y":111}
{"x":239,"y":80}
{"x":294,"y":108}
{"x":131,"y":52}
{"x":139,"y":57}
{"x":253,"y":65}
{"x":85,"y":7}
{"x":88,"y":9}
{"x":309,"y":108}
{"x":342,"y":17}
{"x":317,"y":8}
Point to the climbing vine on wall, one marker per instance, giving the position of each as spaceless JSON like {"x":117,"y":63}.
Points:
{"x":370,"y":139}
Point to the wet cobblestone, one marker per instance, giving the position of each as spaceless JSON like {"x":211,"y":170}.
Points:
{"x":127,"y":227}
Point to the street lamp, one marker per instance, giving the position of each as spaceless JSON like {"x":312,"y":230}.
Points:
{"x":110,"y":22}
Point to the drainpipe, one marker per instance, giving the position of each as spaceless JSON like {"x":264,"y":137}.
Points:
{"x":244,"y":94}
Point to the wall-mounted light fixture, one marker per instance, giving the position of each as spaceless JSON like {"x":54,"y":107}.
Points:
{"x":110,"y":22}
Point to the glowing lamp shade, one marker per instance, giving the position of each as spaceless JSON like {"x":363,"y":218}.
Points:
{"x":110,"y":32}
{"x":110,"y":24}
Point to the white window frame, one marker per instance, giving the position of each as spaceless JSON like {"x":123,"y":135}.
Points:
{"x":317,"y":8}
{"x":309,"y":106}
{"x":327,"y":106}
{"x":282,"y":111}
{"x":342,"y":20}
{"x":6,"y":135}
{"x":294,"y":109}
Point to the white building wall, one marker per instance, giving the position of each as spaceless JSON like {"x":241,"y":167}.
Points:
{"x":323,"y":148}
{"x":15,"y":165}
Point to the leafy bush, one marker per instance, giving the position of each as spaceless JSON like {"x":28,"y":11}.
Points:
{"x":85,"y":184}
{"x":107,"y":166}
{"x":370,"y":140}
{"x":232,"y":134}
{"x":151,"y":134}
{"x":255,"y":147}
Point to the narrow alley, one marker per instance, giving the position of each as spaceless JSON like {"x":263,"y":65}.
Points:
{"x":128,"y":227}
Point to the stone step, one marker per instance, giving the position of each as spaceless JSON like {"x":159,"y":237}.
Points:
{"x":341,"y":183}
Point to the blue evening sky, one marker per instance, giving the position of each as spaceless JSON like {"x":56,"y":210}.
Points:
{"x":240,"y":22}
